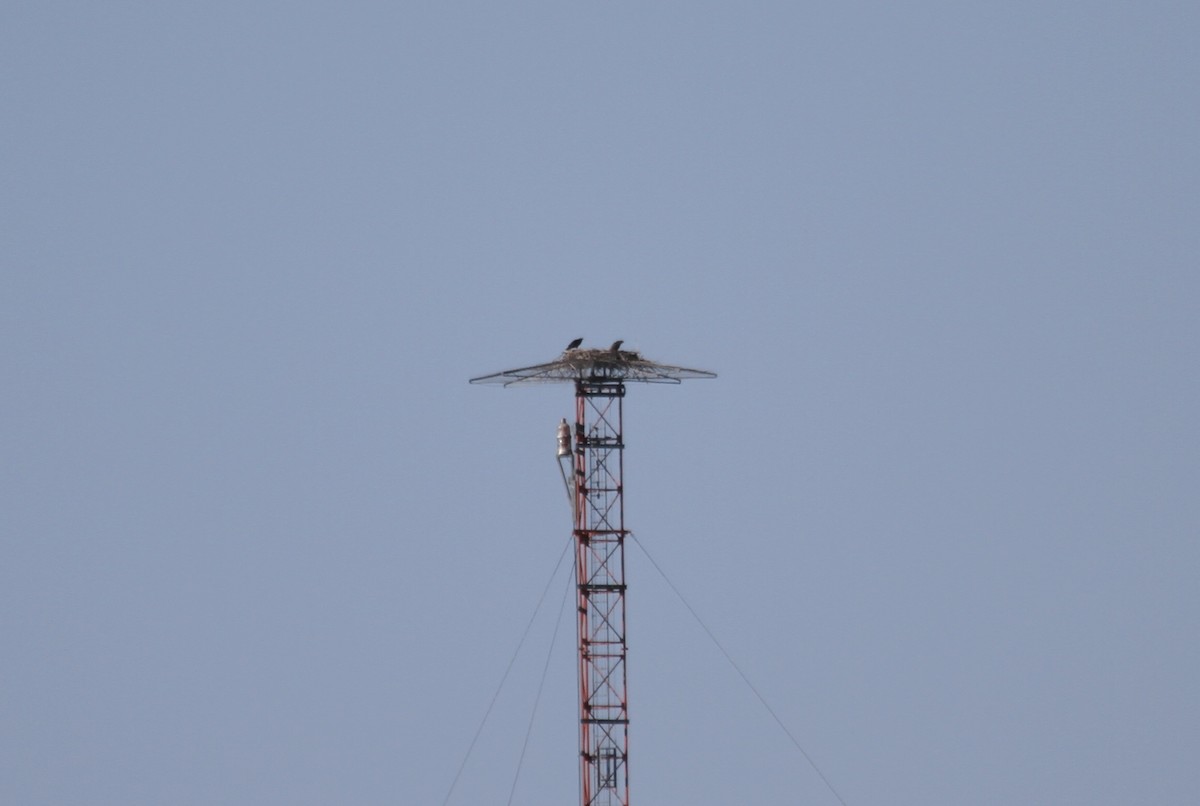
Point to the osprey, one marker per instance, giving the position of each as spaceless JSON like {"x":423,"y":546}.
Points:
{"x":616,"y":345}
{"x":575,"y":344}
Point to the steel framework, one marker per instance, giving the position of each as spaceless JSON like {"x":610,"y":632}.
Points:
{"x":600,"y":577}
{"x":598,"y":502}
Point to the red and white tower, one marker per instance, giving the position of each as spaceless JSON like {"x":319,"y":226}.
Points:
{"x":597,"y":492}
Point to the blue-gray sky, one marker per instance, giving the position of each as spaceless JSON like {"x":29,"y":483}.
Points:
{"x":262,"y":544}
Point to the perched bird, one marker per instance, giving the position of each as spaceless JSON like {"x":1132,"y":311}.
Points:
{"x":575,"y":344}
{"x":616,"y":345}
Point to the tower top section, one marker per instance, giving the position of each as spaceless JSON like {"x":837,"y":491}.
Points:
{"x":578,"y":363}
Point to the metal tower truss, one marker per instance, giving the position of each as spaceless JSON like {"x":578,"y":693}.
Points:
{"x":600,"y":577}
{"x":597,"y":499}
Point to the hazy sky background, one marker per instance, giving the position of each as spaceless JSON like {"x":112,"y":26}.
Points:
{"x":263,"y":544}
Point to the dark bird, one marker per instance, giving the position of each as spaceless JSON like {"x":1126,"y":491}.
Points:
{"x":575,"y":344}
{"x":616,"y":345}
